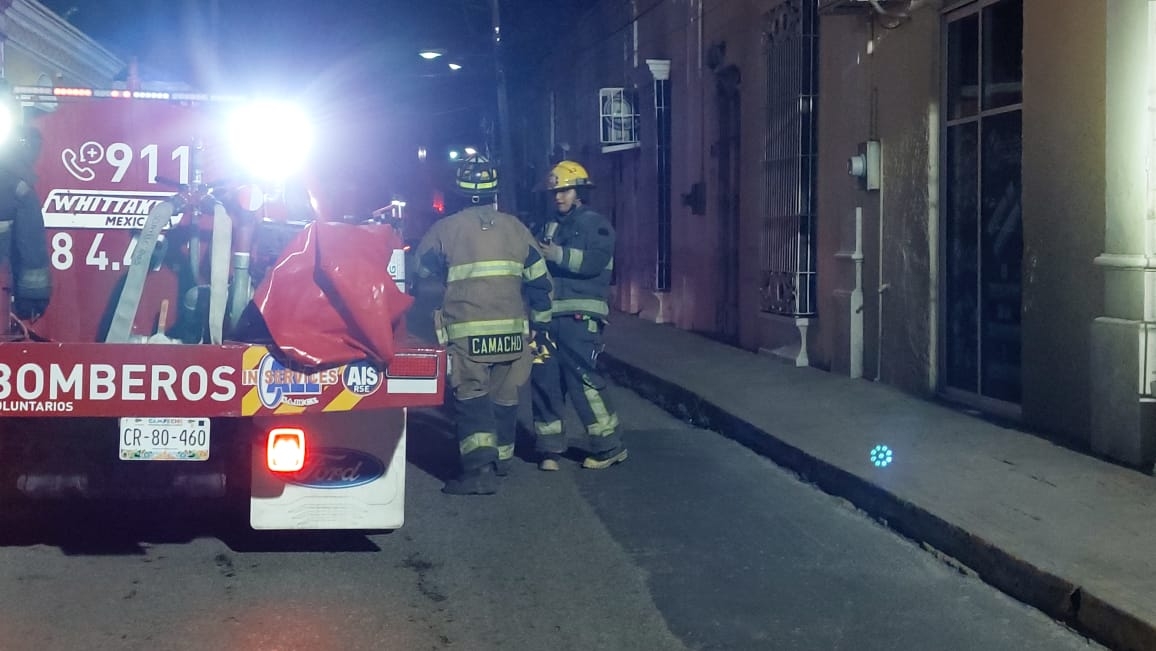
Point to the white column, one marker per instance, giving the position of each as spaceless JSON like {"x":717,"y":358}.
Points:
{"x":1124,"y":337}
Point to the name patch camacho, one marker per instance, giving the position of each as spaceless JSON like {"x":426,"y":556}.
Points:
{"x":494,"y":344}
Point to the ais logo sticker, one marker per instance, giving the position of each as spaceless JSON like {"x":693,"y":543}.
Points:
{"x":361,"y":378}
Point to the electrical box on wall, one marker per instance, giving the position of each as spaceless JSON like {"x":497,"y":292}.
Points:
{"x":865,"y":164}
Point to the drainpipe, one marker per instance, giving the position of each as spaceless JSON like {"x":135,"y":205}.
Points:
{"x":857,"y":299}
{"x":660,"y":69}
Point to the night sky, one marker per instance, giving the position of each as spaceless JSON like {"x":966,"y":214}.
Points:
{"x":353,"y":63}
{"x":278,"y":40}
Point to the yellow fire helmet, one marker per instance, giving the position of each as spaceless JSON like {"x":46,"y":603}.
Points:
{"x":566,"y":175}
{"x":477,"y":176}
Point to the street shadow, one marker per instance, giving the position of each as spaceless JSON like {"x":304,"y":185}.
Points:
{"x":239,"y":538}
{"x":105,"y":528}
{"x":430,"y":442}
{"x":130,"y":527}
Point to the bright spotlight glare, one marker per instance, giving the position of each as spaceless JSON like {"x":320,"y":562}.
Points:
{"x":455,"y":66}
{"x":470,"y":151}
{"x":430,"y":54}
{"x":271,"y":140}
{"x":6,"y":123}
{"x":454,"y":154}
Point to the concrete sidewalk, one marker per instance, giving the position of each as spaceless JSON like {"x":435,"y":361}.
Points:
{"x":1059,"y":530}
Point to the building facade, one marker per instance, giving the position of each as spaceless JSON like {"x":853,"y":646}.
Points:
{"x":38,"y":47}
{"x":948,"y":196}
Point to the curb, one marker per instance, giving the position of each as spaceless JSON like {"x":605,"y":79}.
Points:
{"x":1057,"y":597}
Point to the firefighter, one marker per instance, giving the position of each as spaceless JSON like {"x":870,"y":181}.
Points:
{"x":492,"y":271}
{"x":23,"y":245}
{"x":578,"y":245}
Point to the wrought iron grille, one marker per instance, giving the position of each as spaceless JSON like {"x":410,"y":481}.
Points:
{"x":787,"y":245}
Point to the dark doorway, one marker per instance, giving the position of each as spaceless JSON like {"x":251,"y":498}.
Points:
{"x":983,"y":230}
{"x":728,"y":157}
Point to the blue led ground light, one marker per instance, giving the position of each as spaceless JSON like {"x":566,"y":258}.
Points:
{"x":881,"y":456}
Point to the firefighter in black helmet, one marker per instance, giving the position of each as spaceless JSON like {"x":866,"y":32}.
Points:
{"x":23,"y":245}
{"x":493,"y":272}
{"x":578,"y":245}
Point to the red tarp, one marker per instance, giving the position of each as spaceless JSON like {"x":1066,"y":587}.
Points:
{"x":330,"y":300}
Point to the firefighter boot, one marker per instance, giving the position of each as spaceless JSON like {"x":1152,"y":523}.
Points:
{"x":603,"y":460}
{"x":502,"y":467}
{"x":476,"y":481}
{"x":549,"y":462}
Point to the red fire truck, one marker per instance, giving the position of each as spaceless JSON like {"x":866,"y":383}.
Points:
{"x":211,"y":332}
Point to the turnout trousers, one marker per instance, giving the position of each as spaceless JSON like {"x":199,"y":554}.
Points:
{"x":486,"y":405}
{"x":570,"y":370}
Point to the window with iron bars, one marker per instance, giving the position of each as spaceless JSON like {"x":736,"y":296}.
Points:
{"x":787,"y":244}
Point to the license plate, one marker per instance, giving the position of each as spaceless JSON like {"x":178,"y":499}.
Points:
{"x":164,"y":439}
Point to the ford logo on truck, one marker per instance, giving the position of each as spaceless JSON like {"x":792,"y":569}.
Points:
{"x":338,"y":468}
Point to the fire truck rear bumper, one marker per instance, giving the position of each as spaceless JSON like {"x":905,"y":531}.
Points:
{"x":204,"y":484}
{"x":78,"y":459}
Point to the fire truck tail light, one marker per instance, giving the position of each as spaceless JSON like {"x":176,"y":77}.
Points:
{"x":286,"y":452}
{"x":413,"y":366}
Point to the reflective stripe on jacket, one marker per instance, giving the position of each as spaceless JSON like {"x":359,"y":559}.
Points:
{"x":582,"y":278}
{"x":493,"y":273}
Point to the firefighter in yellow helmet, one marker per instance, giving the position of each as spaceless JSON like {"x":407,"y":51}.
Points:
{"x":578,"y":245}
{"x":493,"y":274}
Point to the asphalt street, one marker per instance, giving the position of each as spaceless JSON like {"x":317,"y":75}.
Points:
{"x":694,"y":543}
